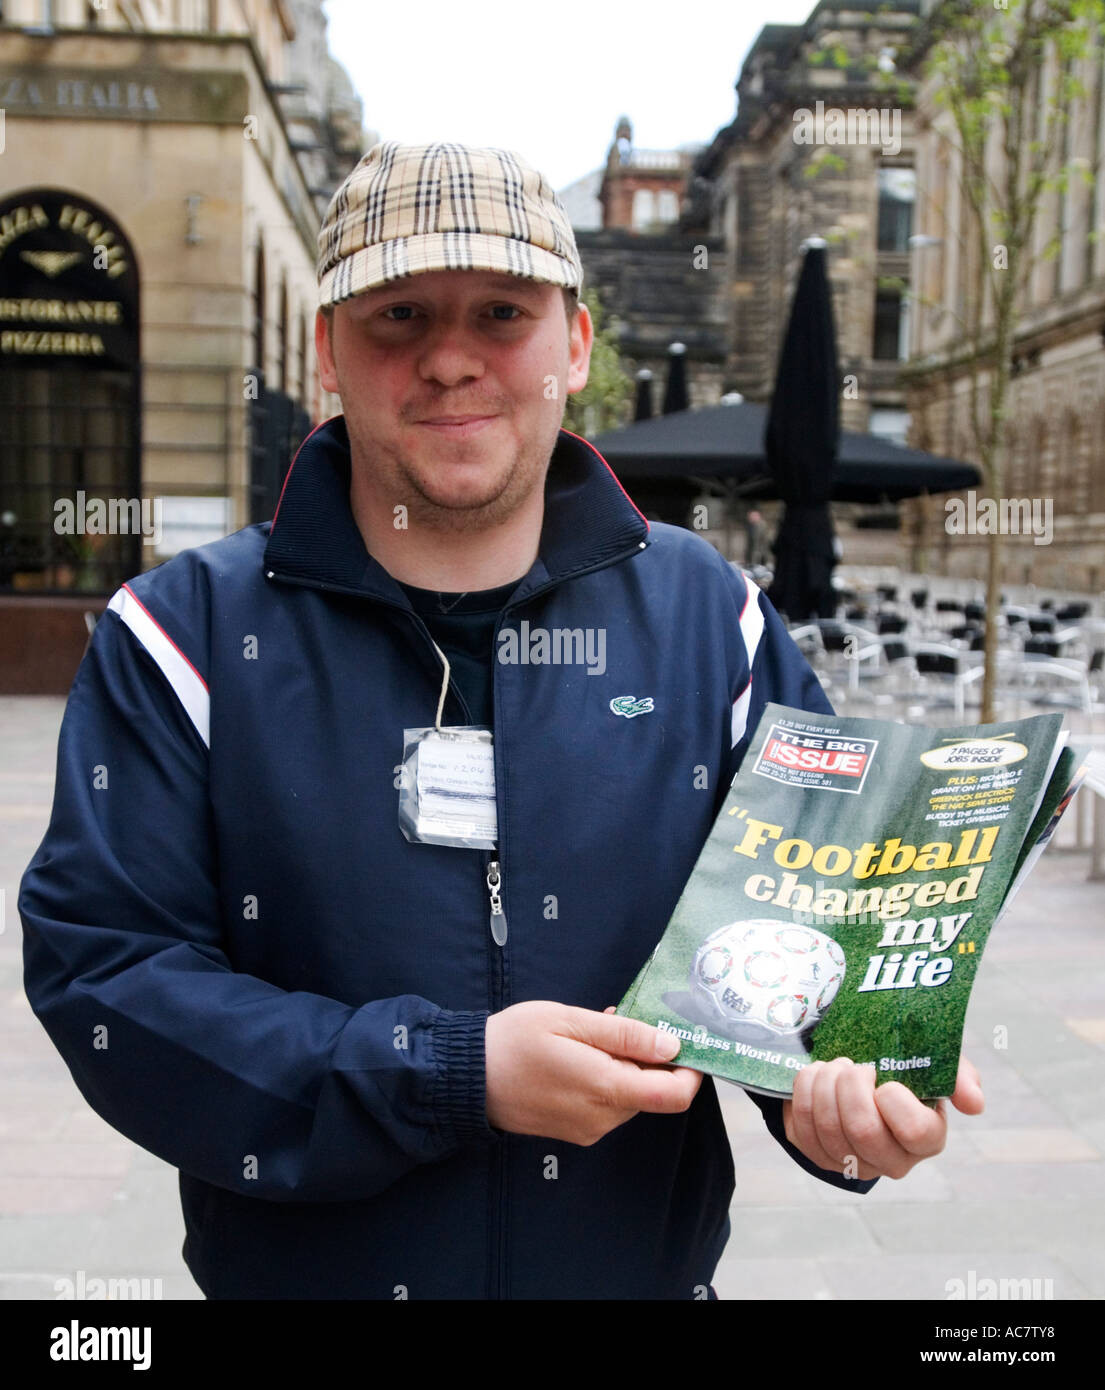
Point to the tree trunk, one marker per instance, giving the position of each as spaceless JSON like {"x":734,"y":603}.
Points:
{"x":990,"y":641}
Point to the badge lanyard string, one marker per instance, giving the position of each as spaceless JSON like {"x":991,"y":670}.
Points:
{"x":444,"y":686}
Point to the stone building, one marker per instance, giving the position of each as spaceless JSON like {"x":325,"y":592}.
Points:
{"x":1056,"y":405}
{"x":822,"y":145}
{"x":661,"y":285}
{"x":164,"y":166}
{"x":641,"y":189}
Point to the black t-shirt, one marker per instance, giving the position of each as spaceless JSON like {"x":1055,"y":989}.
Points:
{"x":463,"y":626}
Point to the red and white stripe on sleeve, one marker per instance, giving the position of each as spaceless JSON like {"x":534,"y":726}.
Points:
{"x":752,"y":629}
{"x":187,"y":683}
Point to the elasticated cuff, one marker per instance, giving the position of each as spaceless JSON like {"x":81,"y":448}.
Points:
{"x":460,"y":1090}
{"x":771,"y":1107}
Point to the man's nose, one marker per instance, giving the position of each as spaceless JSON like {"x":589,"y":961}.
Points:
{"x":450,"y":352}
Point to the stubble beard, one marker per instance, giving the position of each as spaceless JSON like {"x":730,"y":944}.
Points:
{"x":500,"y":501}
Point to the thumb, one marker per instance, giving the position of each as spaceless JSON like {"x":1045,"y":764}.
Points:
{"x":624,"y":1037}
{"x":967,"y":1096}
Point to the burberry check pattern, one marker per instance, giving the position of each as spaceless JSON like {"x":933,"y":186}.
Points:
{"x":406,"y":209}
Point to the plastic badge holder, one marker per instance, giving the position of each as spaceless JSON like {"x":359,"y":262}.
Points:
{"x":447,"y":787}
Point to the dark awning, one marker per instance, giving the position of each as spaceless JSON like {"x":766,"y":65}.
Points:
{"x":726,"y":442}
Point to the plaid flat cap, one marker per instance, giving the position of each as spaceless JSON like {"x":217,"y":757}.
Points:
{"x":408,"y":209}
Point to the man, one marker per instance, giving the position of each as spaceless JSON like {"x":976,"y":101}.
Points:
{"x":381,"y":1061}
{"x":754,"y":539}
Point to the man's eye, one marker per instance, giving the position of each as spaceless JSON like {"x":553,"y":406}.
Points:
{"x":404,"y":311}
{"x":502,"y":310}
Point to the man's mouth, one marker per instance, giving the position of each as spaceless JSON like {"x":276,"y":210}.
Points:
{"x":457,"y":426}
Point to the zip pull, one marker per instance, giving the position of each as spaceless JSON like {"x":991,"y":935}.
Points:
{"x":498,"y":916}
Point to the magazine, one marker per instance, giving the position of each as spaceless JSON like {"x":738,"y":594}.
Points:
{"x":842,"y":902}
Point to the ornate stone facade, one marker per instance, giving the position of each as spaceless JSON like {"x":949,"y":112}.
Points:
{"x":1056,"y":406}
{"x":658,"y":285}
{"x":155,"y":140}
{"x":822,"y":146}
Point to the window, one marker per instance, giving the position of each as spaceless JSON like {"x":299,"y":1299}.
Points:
{"x":891,"y":327}
{"x":67,"y":430}
{"x":669,"y":206}
{"x":282,"y":341}
{"x":1097,"y":478}
{"x":259,"y":311}
{"x":748,"y":228}
{"x":643,"y":214}
{"x":897,"y":190}
{"x":889,"y":423}
{"x":302,"y":391}
{"x":194,"y":14}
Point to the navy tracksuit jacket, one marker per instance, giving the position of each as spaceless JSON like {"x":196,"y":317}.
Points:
{"x":253,"y":974}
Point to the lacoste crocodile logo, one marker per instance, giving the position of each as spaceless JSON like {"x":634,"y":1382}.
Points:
{"x":630,"y":706}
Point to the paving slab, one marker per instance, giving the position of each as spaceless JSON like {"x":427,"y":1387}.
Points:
{"x":985,"y":1226}
{"x":765,"y":1231}
{"x":940,"y":1276}
{"x":1018,"y":1182}
{"x":766,"y":1278}
{"x":1034,"y":1145}
{"x":928,"y":1182}
{"x":1087,"y":1263}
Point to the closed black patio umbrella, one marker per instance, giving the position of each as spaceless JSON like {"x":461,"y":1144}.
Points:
{"x":643,"y":407}
{"x":724,"y":445}
{"x":675,"y":392}
{"x":800,"y":443}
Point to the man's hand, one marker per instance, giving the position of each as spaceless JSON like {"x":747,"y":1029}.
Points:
{"x":567,"y":1073}
{"x":841,"y":1120}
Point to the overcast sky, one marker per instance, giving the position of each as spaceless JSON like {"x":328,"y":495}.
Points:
{"x":550,"y":80}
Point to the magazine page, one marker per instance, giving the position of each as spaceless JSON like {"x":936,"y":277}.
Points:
{"x":1066,"y":777}
{"x":842,"y":901}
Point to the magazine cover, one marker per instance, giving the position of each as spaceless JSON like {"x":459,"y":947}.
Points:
{"x":842,"y":902}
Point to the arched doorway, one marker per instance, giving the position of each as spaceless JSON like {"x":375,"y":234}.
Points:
{"x":71,"y":513}
{"x":278,"y":423}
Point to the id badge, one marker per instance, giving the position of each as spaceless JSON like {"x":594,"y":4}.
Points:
{"x":447,"y":787}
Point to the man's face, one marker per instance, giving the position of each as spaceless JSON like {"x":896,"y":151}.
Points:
{"x":453,"y":385}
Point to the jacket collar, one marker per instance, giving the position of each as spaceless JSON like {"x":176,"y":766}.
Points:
{"x":589,"y":520}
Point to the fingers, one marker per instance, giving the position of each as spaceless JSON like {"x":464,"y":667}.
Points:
{"x":812,"y":1124}
{"x":967,"y":1096}
{"x":920,"y":1131}
{"x":620,"y":1037}
{"x":562,"y":1072}
{"x":657,"y":1090}
{"x":848,"y":1119}
{"x":842,"y":1121}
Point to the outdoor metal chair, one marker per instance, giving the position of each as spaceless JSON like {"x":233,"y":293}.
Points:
{"x":937,"y":665}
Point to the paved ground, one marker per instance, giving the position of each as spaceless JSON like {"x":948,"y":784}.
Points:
{"x":1015,"y":1196}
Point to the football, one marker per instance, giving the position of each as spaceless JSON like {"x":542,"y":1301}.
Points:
{"x":767,"y":979}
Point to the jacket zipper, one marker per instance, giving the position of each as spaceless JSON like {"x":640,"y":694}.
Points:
{"x":498,"y":923}
{"x":497,"y":918}
{"x":493,"y":877}
{"x":497,"y":1235}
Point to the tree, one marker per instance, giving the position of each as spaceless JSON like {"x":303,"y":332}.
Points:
{"x":1004,"y":78}
{"x":601,"y":405}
